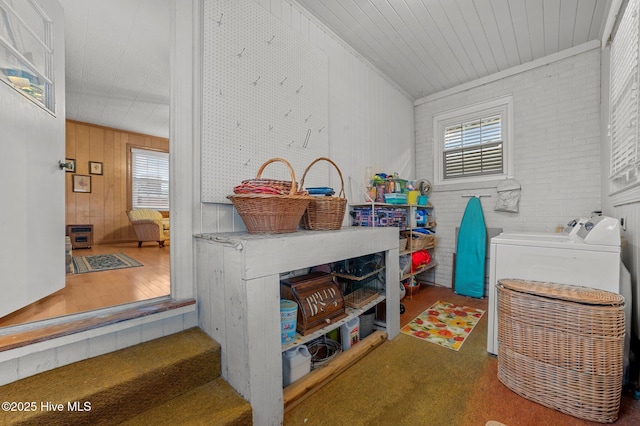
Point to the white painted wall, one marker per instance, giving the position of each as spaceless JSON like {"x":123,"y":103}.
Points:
{"x":370,"y":120}
{"x":556,"y":150}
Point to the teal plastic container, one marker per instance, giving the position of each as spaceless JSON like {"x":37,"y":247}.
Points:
{"x":288,"y":317}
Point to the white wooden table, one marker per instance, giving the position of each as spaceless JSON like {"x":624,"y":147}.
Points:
{"x":238,"y":293}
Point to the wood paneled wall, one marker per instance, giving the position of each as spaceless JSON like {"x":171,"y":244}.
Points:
{"x":106,"y":206}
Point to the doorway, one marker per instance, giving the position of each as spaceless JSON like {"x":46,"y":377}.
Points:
{"x":110,"y":288}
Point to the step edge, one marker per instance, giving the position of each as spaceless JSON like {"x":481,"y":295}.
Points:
{"x":208,"y":351}
{"x":17,"y":340}
{"x":240,"y":411}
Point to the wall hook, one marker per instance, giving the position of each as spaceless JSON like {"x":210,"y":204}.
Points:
{"x":271,"y":41}
{"x":282,"y":82}
{"x":307,"y":119}
{"x":246,"y":163}
{"x":240,"y":54}
{"x":299,"y":89}
{"x":255,"y":83}
{"x":320,"y":129}
{"x":291,"y":143}
{"x":306,"y":140}
{"x":287,"y":114}
{"x":219,"y":21}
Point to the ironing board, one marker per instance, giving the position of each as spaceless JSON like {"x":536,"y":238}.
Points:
{"x":470,"y":256}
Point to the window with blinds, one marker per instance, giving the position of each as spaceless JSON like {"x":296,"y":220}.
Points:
{"x":473,"y":148}
{"x":149,"y":179}
{"x":623,"y":108}
{"x":472,"y":143}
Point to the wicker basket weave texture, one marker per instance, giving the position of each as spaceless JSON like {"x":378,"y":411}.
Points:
{"x":562,"y":346}
{"x":324,"y":213}
{"x":418,"y":240}
{"x":272,"y":214}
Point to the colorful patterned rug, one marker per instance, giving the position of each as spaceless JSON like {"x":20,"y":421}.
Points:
{"x":444,"y":324}
{"x":103,"y":262}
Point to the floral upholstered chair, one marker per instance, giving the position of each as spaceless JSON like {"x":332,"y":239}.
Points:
{"x":149,"y":226}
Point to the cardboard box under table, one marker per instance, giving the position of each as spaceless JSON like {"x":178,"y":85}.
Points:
{"x":562,"y":346}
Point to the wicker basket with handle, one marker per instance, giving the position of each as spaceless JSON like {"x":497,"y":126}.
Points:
{"x":272,"y":213}
{"x":324,"y":213}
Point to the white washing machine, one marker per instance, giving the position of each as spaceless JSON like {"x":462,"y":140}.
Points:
{"x":588,"y":257}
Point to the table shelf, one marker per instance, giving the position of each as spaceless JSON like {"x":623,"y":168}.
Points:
{"x":351,"y":313}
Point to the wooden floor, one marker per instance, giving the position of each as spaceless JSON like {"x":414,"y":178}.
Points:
{"x":95,"y":290}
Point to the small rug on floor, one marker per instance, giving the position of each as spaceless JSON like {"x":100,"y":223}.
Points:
{"x":103,"y":262}
{"x":444,"y":324}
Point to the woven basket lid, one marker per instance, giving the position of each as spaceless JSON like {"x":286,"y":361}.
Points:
{"x":568,"y":292}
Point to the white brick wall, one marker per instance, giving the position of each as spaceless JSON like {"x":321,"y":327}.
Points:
{"x":556,"y":151}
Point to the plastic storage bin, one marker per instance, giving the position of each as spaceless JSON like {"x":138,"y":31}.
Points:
{"x":366,"y":323}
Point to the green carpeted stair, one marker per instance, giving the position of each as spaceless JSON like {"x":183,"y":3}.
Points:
{"x":171,"y":380}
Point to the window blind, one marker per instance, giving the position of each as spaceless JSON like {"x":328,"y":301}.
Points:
{"x":473,"y":148}
{"x":149,"y":179}
{"x":624,"y":94}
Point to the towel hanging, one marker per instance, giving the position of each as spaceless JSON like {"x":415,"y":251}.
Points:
{"x":508,"y":196}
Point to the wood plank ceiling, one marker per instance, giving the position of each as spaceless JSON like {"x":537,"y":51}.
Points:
{"x":427,"y":46}
{"x":117,"y":51}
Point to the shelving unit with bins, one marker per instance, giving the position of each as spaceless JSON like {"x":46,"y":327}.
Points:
{"x":238,"y":291}
{"x":410,"y":223}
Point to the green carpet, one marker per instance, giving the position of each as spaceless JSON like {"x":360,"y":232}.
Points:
{"x":103,"y":262}
{"x":172,"y":380}
{"x":405,"y":381}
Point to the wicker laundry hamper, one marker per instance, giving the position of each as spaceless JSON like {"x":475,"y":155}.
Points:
{"x":562,"y":346}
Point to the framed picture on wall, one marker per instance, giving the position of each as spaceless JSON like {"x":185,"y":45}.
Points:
{"x":81,"y":183}
{"x":70,"y":165}
{"x":95,"y":168}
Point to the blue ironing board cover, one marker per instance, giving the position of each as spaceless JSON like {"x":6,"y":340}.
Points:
{"x":471,"y":251}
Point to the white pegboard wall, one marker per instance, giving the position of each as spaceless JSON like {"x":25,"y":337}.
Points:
{"x":265,"y":95}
